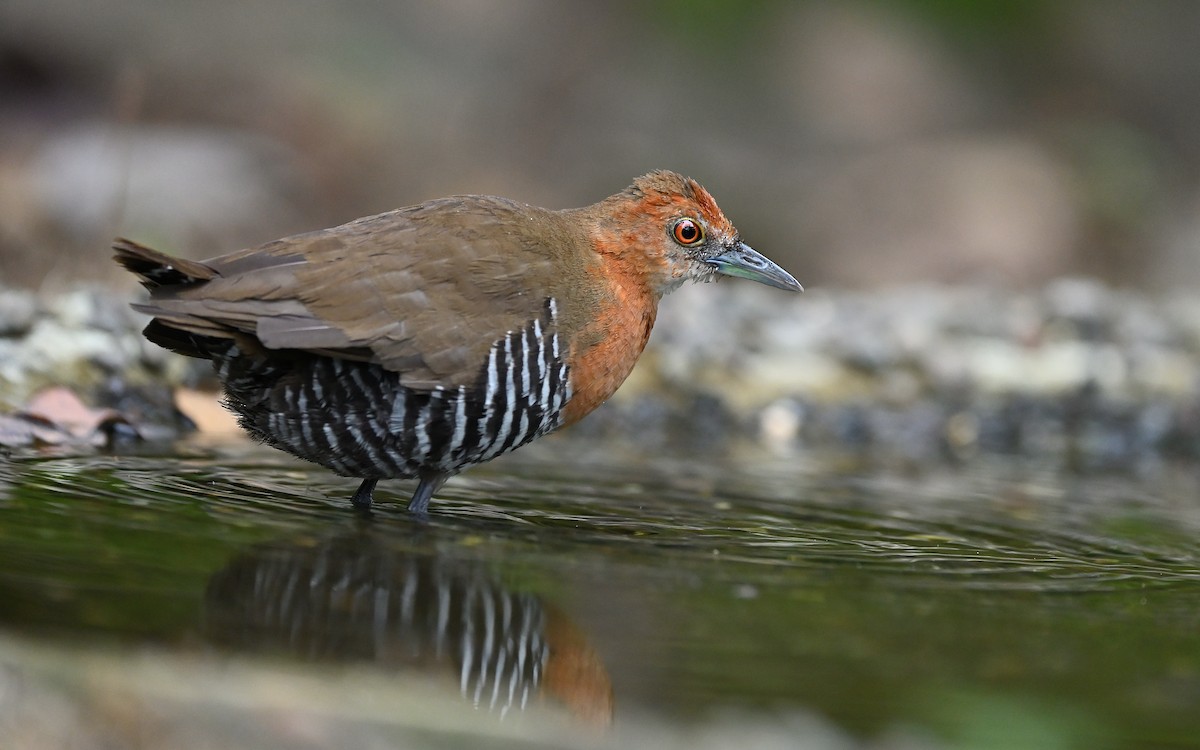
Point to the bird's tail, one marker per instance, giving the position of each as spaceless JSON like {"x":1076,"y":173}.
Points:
{"x":157,"y":269}
{"x":163,"y":275}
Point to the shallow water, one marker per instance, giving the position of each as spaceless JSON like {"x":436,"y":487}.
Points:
{"x":994,"y":604}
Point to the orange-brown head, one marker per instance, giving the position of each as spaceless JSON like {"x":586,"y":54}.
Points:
{"x":669,"y":228}
{"x":642,"y":243}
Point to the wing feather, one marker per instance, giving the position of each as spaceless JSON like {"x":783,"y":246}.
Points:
{"x":424,"y":291}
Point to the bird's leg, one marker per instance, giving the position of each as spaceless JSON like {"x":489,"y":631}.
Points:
{"x":431,"y":481}
{"x":362,"y":496}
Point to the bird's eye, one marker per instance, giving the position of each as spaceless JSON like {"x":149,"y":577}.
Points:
{"x":687,"y":232}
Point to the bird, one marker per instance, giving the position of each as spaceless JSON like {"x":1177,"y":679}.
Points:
{"x":418,"y":342}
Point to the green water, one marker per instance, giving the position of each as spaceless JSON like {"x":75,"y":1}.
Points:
{"x":988,"y":605}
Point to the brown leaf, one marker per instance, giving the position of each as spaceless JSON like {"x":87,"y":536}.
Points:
{"x":205,"y":410}
{"x":20,"y":432}
{"x":60,"y":407}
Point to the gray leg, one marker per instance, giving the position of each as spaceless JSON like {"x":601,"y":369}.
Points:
{"x":362,"y":496}
{"x":431,"y":481}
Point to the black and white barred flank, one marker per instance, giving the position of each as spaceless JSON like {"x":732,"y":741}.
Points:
{"x":357,"y":419}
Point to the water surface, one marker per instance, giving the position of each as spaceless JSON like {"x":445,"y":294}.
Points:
{"x":822,"y":601}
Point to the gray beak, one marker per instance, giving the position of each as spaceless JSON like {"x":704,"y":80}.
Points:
{"x":746,"y":262}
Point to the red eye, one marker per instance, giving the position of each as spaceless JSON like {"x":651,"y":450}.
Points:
{"x":687,"y":232}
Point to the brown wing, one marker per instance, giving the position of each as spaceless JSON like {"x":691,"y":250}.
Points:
{"x":424,"y":291}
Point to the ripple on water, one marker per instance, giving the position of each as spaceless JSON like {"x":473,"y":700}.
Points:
{"x":694,"y":584}
{"x":968,"y":530}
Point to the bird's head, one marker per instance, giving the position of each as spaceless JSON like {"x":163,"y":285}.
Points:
{"x":672,"y":225}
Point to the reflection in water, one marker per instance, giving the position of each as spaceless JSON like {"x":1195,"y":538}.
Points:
{"x":354,"y":598}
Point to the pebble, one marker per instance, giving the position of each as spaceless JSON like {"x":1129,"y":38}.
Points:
{"x":18,"y":310}
{"x":80,"y":338}
{"x":924,"y":373}
{"x":919,"y":371}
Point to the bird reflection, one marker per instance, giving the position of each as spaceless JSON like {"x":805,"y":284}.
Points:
{"x":353,"y":598}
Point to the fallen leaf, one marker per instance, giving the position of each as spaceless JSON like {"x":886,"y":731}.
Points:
{"x":61,"y":407}
{"x":206,"y":412}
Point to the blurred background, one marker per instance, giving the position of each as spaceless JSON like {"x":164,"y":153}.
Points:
{"x":859,"y":144}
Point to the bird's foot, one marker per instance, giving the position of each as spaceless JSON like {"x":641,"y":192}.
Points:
{"x":430,"y":482}
{"x":362,"y":496}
